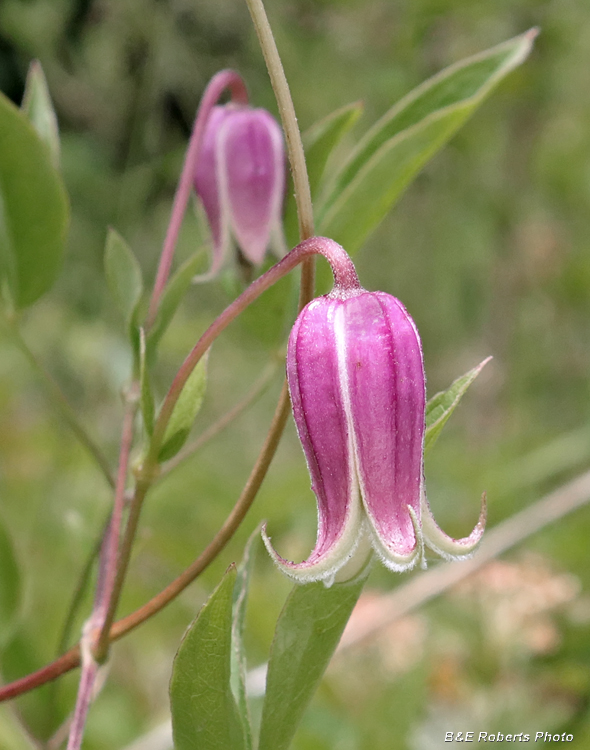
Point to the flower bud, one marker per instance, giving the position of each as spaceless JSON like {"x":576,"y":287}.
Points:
{"x":240,"y":178}
{"x":357,"y":386}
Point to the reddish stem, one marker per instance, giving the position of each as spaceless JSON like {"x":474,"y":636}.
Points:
{"x":345,"y":280}
{"x":225,"y":79}
{"x":109,"y":592}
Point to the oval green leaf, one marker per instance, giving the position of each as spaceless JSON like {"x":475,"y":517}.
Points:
{"x":123,"y":274}
{"x":204,"y":712}
{"x":34,"y":210}
{"x":186,"y":409}
{"x":397,"y":147}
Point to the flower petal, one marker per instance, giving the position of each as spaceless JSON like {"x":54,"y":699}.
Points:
{"x":252,"y":173}
{"x":331,"y":557}
{"x":443,"y":544}
{"x":207,"y":184}
{"x":384,"y":399}
{"x":315,"y":388}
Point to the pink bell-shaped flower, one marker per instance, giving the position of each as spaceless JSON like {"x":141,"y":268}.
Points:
{"x":240,"y":178}
{"x":357,"y":385}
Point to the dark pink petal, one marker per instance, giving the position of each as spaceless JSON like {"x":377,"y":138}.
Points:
{"x":386,"y":401}
{"x":252,"y":177}
{"x":315,"y":387}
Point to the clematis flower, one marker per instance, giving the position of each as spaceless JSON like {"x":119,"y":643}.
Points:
{"x":357,"y":385}
{"x":240,"y":178}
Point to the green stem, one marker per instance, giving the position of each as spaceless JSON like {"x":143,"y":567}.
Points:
{"x":288,"y":117}
{"x":295,"y":150}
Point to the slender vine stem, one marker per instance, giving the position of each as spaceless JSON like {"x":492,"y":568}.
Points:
{"x":295,"y":151}
{"x":95,"y":650}
{"x":288,"y":117}
{"x":112,"y":574}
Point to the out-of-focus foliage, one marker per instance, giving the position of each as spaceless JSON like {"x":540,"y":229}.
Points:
{"x":489,"y":251}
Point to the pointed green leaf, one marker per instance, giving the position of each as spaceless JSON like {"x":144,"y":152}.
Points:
{"x":171,"y":298}
{"x":306,"y":636}
{"x":186,"y":409}
{"x":123,"y":274}
{"x":146,"y":396}
{"x":405,"y":138}
{"x":204,"y":713}
{"x":440,"y":407}
{"x":319,"y":141}
{"x":34,"y":210}
{"x":238,"y":657}
{"x":38,"y":107}
{"x":9,"y":587}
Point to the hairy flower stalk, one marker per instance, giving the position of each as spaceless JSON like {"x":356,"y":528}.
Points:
{"x":240,"y":179}
{"x":357,"y":386}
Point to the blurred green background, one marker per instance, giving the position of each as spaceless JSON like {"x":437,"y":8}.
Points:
{"x":490,"y":251}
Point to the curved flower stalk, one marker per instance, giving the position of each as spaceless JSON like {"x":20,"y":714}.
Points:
{"x":240,"y":179}
{"x":357,"y":386}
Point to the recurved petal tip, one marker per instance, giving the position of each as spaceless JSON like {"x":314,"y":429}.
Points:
{"x":330,"y":555}
{"x":443,"y":544}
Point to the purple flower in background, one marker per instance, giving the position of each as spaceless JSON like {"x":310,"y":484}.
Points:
{"x":357,"y":385}
{"x":240,"y":178}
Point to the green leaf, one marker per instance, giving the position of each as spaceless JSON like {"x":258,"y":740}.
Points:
{"x":306,"y":636}
{"x":405,"y":138}
{"x":186,"y":409}
{"x":123,"y":274}
{"x":238,"y":656}
{"x":9,"y":587}
{"x":204,"y":713}
{"x":38,"y":107}
{"x":34,"y":212}
{"x":171,"y":298}
{"x":440,"y":407}
{"x":319,"y":141}
{"x":146,"y":396}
